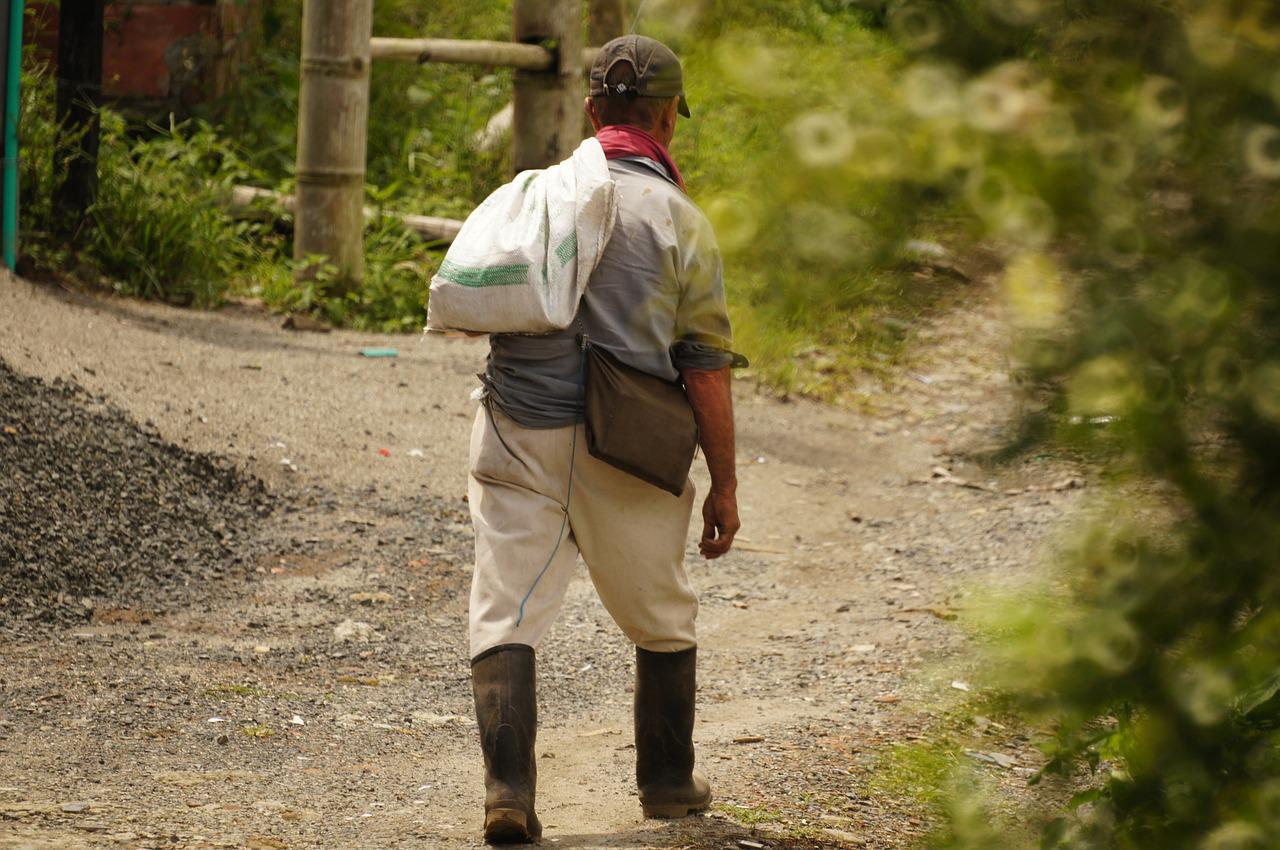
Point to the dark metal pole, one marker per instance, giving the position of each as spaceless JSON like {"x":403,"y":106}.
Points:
{"x":79,"y":97}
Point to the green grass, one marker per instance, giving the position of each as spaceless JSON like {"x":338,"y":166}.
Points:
{"x":257,"y":731}
{"x":917,"y":771}
{"x":227,"y":691}
{"x":749,"y":815}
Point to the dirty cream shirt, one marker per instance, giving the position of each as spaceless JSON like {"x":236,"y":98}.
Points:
{"x":656,"y":301}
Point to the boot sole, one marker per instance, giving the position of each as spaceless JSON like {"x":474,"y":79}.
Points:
{"x":508,"y":826}
{"x":666,"y":811}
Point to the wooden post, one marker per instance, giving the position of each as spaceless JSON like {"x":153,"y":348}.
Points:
{"x":606,"y":20}
{"x":79,"y":95}
{"x":332,"y":122}
{"x":547,"y":123}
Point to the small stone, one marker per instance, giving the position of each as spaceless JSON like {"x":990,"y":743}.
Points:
{"x":428,"y":718}
{"x":844,"y":837}
{"x":349,"y":630}
{"x":75,"y":808}
{"x":367,"y":598}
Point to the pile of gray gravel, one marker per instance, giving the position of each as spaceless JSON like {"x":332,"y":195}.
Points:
{"x":96,"y":510}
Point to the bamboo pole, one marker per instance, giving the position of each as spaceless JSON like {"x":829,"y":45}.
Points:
{"x":547,"y":123}
{"x":432,"y":228}
{"x":452,"y":51}
{"x":529,"y":57}
{"x":332,"y":123}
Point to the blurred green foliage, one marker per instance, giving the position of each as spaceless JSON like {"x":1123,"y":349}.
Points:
{"x":794,"y":108}
{"x":1124,"y":155}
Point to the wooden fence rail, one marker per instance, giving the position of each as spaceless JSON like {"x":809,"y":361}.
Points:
{"x":452,"y":51}
{"x":245,"y":199}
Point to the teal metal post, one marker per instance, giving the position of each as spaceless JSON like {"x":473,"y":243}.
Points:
{"x":12,"y":103}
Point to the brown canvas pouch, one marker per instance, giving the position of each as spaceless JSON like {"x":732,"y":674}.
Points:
{"x":638,"y":422}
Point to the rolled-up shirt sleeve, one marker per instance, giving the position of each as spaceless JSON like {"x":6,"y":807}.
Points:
{"x":703,"y":336}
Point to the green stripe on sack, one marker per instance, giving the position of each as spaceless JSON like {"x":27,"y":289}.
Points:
{"x":512,"y":275}
{"x":568,"y":249}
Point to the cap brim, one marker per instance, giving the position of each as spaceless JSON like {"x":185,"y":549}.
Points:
{"x":683,"y":108}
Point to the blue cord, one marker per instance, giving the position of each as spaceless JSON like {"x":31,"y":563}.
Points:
{"x":573,"y":457}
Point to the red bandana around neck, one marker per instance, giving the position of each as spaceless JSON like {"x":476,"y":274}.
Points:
{"x":619,"y":140}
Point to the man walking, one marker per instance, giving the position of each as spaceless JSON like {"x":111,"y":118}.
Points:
{"x":538,"y":498}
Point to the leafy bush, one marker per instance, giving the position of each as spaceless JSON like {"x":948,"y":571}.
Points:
{"x":160,"y":228}
{"x":37,"y":170}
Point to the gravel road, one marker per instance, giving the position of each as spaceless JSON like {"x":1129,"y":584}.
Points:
{"x":315,"y":692}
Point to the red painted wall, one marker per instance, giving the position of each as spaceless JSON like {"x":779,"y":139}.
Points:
{"x":177,"y":51}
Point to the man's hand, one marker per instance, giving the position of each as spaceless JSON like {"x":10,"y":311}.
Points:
{"x":711,"y":398}
{"x":719,"y":523}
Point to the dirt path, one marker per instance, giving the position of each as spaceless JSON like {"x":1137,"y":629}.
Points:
{"x":246,"y":720}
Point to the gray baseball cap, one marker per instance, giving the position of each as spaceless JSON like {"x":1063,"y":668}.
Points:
{"x":658,"y":71}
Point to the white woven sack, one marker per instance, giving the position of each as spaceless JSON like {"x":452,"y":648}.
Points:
{"x":522,"y":259}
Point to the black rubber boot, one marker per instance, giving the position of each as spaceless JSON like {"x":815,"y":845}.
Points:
{"x":665,"y":685}
{"x":502,"y":680}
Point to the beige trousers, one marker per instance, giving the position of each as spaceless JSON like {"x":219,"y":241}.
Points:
{"x":630,"y":534}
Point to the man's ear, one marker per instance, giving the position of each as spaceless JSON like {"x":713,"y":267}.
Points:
{"x":594,"y":116}
{"x":670,"y":114}
{"x":664,"y":123}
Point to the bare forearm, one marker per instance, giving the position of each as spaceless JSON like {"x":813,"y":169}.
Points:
{"x":711,"y":397}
